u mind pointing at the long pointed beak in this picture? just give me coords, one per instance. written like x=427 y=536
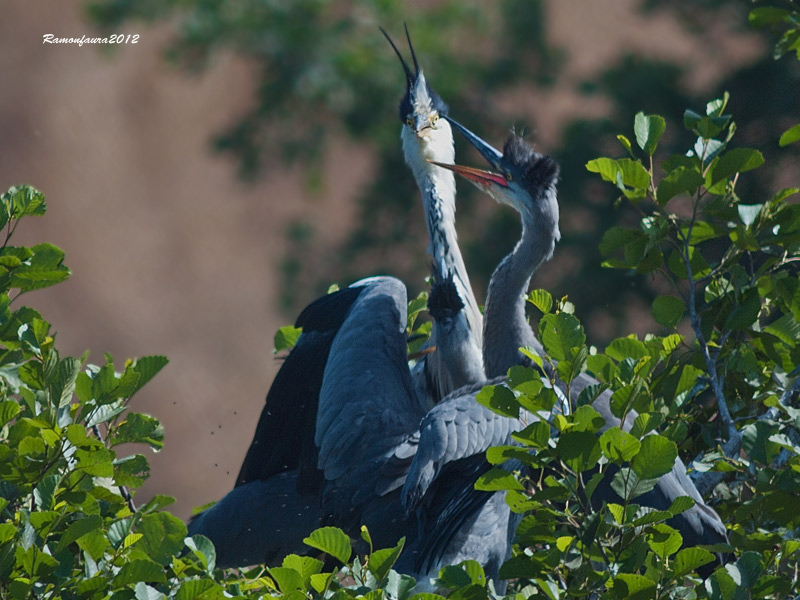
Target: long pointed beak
x=492 y=155
x=478 y=176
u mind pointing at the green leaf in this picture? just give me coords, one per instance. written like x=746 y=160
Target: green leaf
x=663 y=540
x=634 y=587
x=44 y=268
x=288 y=580
x=146 y=368
x=561 y=335
x=579 y=450
x=648 y=130
x=668 y=310
x=766 y=15
x=756 y=441
x=619 y=446
x=199 y=588
x=142 y=591
x=681 y=504
x=790 y=136
x=746 y=312
x=80 y=528
x=381 y=561
x=689 y=559
x=163 y=536
x=749 y=212
x=618 y=237
x=94 y=543
x=332 y=541
x=140 y=569
x=140 y=429
x=8 y=410
x=497 y=479
x=24 y=201
x=399 y=586
x=786 y=328
x=627 y=347
x=286 y=337
x=680 y=180
x=655 y=458
x=541 y=299
x=626 y=143
x=738 y=160
x=621 y=172
x=536 y=435
x=499 y=399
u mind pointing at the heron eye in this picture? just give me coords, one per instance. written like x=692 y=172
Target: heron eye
x=509 y=177
x=433 y=118
x=410 y=121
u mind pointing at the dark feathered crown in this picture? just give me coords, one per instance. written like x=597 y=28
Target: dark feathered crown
x=530 y=166
x=406 y=104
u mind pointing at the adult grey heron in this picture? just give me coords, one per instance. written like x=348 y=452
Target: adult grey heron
x=506 y=329
x=283 y=450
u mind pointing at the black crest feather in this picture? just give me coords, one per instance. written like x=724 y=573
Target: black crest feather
x=444 y=301
x=534 y=168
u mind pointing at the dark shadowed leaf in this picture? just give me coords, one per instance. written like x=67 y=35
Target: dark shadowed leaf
x=668 y=310
x=681 y=180
x=580 y=450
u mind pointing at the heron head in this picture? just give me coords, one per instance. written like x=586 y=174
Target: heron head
x=521 y=177
x=421 y=109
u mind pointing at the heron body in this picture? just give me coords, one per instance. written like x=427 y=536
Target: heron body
x=506 y=329
x=284 y=447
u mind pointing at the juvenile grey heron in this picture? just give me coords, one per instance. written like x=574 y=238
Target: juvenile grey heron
x=506 y=329
x=283 y=451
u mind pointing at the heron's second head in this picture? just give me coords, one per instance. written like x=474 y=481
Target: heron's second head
x=425 y=131
x=522 y=178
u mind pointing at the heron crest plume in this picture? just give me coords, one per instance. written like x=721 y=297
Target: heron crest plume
x=419 y=96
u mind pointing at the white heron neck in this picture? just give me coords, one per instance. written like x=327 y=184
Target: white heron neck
x=438 y=189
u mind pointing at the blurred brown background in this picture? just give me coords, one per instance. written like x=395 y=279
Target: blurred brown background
x=173 y=254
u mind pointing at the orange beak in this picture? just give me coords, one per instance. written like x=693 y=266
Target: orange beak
x=478 y=176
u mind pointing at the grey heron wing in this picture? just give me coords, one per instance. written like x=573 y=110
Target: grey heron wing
x=259 y=522
x=455 y=429
x=284 y=436
x=367 y=404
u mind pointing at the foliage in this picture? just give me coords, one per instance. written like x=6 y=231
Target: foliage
x=730 y=347
x=70 y=527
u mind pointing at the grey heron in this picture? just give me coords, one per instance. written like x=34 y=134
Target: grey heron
x=506 y=329
x=283 y=448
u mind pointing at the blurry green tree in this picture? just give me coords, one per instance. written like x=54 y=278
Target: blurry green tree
x=324 y=71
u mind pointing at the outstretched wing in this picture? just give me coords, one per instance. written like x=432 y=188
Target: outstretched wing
x=368 y=408
x=284 y=436
x=259 y=522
